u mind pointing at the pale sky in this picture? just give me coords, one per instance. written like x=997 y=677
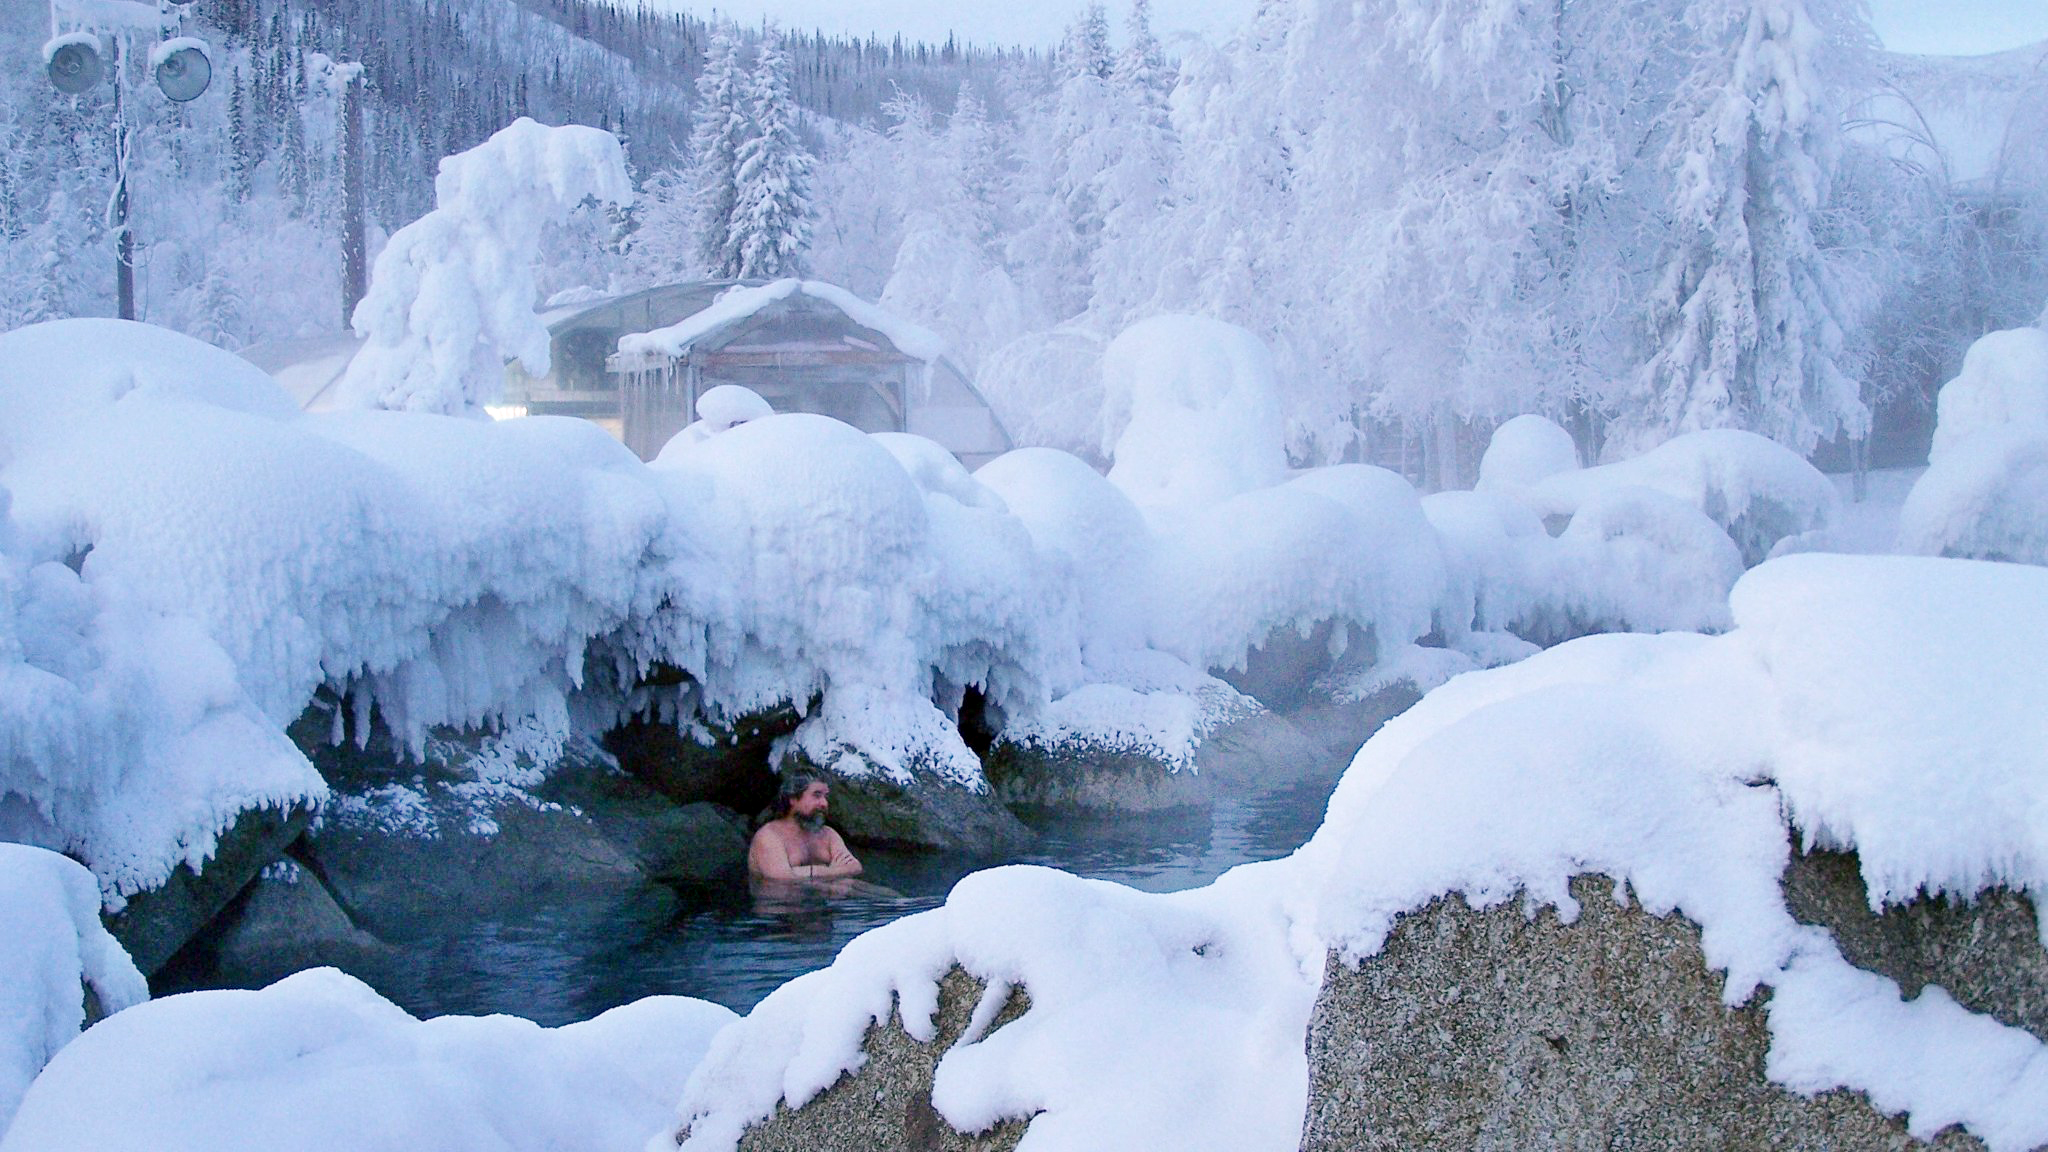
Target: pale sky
x=1947 y=27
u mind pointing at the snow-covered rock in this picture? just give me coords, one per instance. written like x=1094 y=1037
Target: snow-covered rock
x=318 y=1061
x=52 y=951
x=1985 y=491
x=1756 y=489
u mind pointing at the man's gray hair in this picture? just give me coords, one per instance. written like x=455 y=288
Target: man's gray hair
x=793 y=784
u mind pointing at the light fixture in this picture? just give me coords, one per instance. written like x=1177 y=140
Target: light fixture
x=74 y=63
x=182 y=68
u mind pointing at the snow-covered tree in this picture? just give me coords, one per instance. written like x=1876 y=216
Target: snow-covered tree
x=452 y=294
x=1746 y=319
x=771 y=220
x=945 y=273
x=1133 y=189
x=721 y=129
x=1062 y=169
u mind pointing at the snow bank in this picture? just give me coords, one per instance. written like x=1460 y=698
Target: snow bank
x=1130 y=993
x=451 y=296
x=1985 y=492
x=1756 y=489
x=650 y=349
x=1888 y=705
x=1191 y=408
x=317 y=1061
x=54 y=946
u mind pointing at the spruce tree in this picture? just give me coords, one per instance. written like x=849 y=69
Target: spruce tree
x=1746 y=320
x=721 y=128
x=772 y=216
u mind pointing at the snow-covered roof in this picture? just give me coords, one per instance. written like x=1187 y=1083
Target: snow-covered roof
x=740 y=303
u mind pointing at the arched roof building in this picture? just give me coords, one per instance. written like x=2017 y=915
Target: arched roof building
x=637 y=364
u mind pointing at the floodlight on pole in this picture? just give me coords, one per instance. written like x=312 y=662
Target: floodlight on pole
x=183 y=68
x=81 y=31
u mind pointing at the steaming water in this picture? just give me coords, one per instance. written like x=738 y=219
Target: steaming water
x=716 y=942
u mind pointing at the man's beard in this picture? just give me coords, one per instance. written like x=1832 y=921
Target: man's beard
x=812 y=823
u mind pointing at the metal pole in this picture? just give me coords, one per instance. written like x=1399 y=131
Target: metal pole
x=124 y=237
x=355 y=276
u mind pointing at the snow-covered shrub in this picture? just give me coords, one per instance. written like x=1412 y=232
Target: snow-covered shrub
x=1191 y=412
x=1885 y=704
x=451 y=297
x=1985 y=491
x=2003 y=382
x=1347 y=543
x=1046 y=389
x=319 y=1062
x=53 y=948
x=1757 y=490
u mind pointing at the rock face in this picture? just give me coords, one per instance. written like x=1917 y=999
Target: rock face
x=1281 y=672
x=156 y=923
x=886 y=1105
x=667 y=841
x=731 y=770
x=283 y=922
x=1986 y=953
x=1032 y=779
x=928 y=812
x=1489 y=1030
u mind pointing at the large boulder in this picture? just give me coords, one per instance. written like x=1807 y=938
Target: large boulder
x=927 y=811
x=1494 y=1029
x=1077 y=778
x=156 y=923
x=668 y=841
x=886 y=1104
x=285 y=921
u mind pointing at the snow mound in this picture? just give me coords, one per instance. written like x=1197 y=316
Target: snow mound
x=2004 y=381
x=1984 y=497
x=1525 y=450
x=1090 y=536
x=46 y=385
x=451 y=296
x=1884 y=704
x=1985 y=491
x=728 y=404
x=1632 y=559
x=319 y=1062
x=1756 y=489
x=720 y=408
x=1348 y=543
x=53 y=948
x=1192 y=405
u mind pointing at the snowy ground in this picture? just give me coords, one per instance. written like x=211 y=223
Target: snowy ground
x=1871 y=526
